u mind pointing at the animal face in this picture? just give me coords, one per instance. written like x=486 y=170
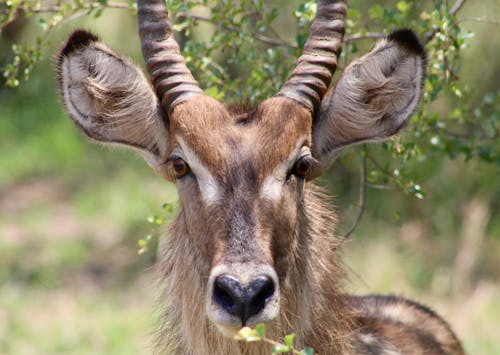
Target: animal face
x=241 y=175
x=241 y=179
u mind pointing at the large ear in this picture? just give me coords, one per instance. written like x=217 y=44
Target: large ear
x=374 y=98
x=109 y=98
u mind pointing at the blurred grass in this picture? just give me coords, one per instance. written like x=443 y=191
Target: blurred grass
x=70 y=322
x=71 y=214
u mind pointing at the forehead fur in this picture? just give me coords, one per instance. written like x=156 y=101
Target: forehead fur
x=223 y=140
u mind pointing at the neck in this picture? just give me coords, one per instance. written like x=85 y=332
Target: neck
x=312 y=305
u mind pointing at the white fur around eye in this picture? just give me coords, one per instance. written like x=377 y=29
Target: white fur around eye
x=210 y=189
x=272 y=186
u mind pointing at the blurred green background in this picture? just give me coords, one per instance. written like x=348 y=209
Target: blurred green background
x=71 y=215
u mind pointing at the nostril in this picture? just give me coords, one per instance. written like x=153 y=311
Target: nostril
x=258 y=292
x=243 y=301
x=228 y=294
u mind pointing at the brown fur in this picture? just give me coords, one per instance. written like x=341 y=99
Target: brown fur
x=217 y=136
x=403 y=325
x=244 y=210
x=311 y=299
x=313 y=307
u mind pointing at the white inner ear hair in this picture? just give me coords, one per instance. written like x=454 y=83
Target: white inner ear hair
x=273 y=183
x=396 y=80
x=372 y=100
x=210 y=189
x=111 y=100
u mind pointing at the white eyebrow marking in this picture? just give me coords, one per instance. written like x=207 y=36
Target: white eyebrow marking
x=273 y=183
x=209 y=187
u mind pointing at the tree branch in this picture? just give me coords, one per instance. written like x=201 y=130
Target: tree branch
x=381 y=187
x=265 y=39
x=362 y=196
x=120 y=5
x=479 y=19
x=22 y=8
x=457 y=6
x=273 y=41
x=367 y=35
x=82 y=6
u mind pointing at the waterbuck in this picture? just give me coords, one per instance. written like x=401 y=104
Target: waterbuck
x=253 y=240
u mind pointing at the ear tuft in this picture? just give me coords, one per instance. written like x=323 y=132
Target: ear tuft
x=407 y=39
x=78 y=40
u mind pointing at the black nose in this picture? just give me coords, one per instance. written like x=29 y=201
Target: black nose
x=243 y=301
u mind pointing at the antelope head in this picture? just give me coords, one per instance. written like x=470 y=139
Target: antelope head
x=241 y=177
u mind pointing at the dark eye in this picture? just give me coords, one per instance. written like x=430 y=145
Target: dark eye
x=302 y=167
x=181 y=168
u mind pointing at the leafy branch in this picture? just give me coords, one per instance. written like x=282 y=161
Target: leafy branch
x=25 y=56
x=149 y=244
x=259 y=334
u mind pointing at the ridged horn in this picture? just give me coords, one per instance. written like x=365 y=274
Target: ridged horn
x=311 y=77
x=171 y=78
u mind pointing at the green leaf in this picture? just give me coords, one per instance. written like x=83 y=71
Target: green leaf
x=404 y=7
x=155 y=220
x=307 y=351
x=168 y=207
x=260 y=330
x=214 y=92
x=376 y=12
x=353 y=14
x=247 y=334
x=289 y=340
x=278 y=349
x=43 y=24
x=417 y=191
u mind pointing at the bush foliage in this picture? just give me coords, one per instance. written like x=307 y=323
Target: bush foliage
x=247 y=58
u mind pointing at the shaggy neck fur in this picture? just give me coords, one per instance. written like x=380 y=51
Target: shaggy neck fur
x=312 y=305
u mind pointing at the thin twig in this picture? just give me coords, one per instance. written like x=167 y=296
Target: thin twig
x=54 y=9
x=381 y=187
x=276 y=34
x=367 y=35
x=265 y=39
x=457 y=6
x=86 y=6
x=362 y=196
x=273 y=41
x=479 y=19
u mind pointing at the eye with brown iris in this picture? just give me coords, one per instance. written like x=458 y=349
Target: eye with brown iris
x=181 y=168
x=301 y=167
